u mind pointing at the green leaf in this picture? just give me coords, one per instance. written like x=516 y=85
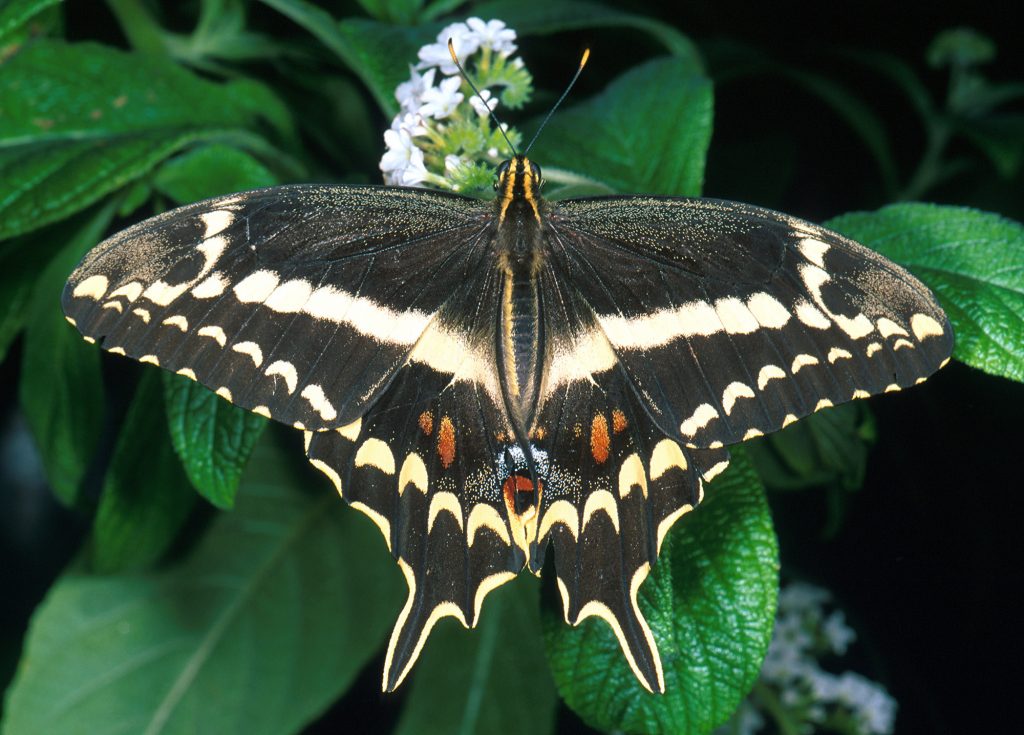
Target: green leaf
x=378 y=53
x=21 y=261
x=647 y=132
x=463 y=681
x=960 y=47
x=529 y=17
x=393 y=11
x=146 y=497
x=211 y=170
x=61 y=389
x=212 y=437
x=271 y=617
x=710 y=602
x=81 y=120
x=826 y=447
x=972 y=260
x=16 y=13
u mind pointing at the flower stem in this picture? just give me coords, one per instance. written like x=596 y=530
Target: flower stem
x=769 y=701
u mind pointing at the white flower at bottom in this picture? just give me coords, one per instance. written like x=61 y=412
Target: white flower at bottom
x=871 y=704
x=799 y=597
x=402 y=163
x=838 y=634
x=439 y=102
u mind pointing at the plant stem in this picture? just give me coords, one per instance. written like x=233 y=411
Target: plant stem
x=928 y=172
x=770 y=702
x=138 y=26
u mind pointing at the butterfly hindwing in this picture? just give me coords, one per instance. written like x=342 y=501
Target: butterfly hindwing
x=422 y=464
x=297 y=302
x=614 y=486
x=733 y=321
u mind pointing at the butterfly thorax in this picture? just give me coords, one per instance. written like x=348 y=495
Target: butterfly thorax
x=520 y=348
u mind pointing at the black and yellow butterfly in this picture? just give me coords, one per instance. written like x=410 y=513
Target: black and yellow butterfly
x=486 y=379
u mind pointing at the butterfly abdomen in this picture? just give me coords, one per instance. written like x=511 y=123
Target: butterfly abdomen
x=520 y=343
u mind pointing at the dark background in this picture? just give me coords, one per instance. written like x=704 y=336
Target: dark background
x=927 y=564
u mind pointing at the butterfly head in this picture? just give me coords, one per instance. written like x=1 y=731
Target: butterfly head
x=518 y=180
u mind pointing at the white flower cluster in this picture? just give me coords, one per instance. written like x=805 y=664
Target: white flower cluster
x=793 y=677
x=432 y=137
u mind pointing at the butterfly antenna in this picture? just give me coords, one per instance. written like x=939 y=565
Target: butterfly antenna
x=451 y=50
x=583 y=63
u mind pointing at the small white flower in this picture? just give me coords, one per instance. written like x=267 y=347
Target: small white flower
x=410 y=94
x=823 y=685
x=439 y=102
x=410 y=122
x=799 y=597
x=871 y=704
x=402 y=163
x=493 y=35
x=838 y=634
x=453 y=163
x=484 y=103
x=464 y=41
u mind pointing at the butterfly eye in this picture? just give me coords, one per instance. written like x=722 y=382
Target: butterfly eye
x=535 y=173
x=500 y=174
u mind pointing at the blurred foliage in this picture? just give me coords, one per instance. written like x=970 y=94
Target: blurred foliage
x=256 y=619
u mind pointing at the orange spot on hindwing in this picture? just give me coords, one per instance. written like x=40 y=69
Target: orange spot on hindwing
x=426 y=422
x=446 y=442
x=600 y=442
x=619 y=422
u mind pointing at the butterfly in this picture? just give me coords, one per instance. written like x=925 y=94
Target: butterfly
x=486 y=380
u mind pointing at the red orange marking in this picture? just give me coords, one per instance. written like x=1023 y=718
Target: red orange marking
x=446 y=442
x=517 y=484
x=600 y=442
x=426 y=422
x=619 y=422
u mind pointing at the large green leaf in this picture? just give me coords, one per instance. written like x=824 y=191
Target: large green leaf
x=60 y=389
x=212 y=437
x=211 y=170
x=378 y=53
x=146 y=496
x=270 y=618
x=648 y=132
x=478 y=681
x=81 y=120
x=14 y=14
x=710 y=602
x=21 y=261
x=393 y=11
x=972 y=260
x=823 y=448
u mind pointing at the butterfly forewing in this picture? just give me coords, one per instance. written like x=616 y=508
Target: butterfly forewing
x=732 y=321
x=296 y=302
